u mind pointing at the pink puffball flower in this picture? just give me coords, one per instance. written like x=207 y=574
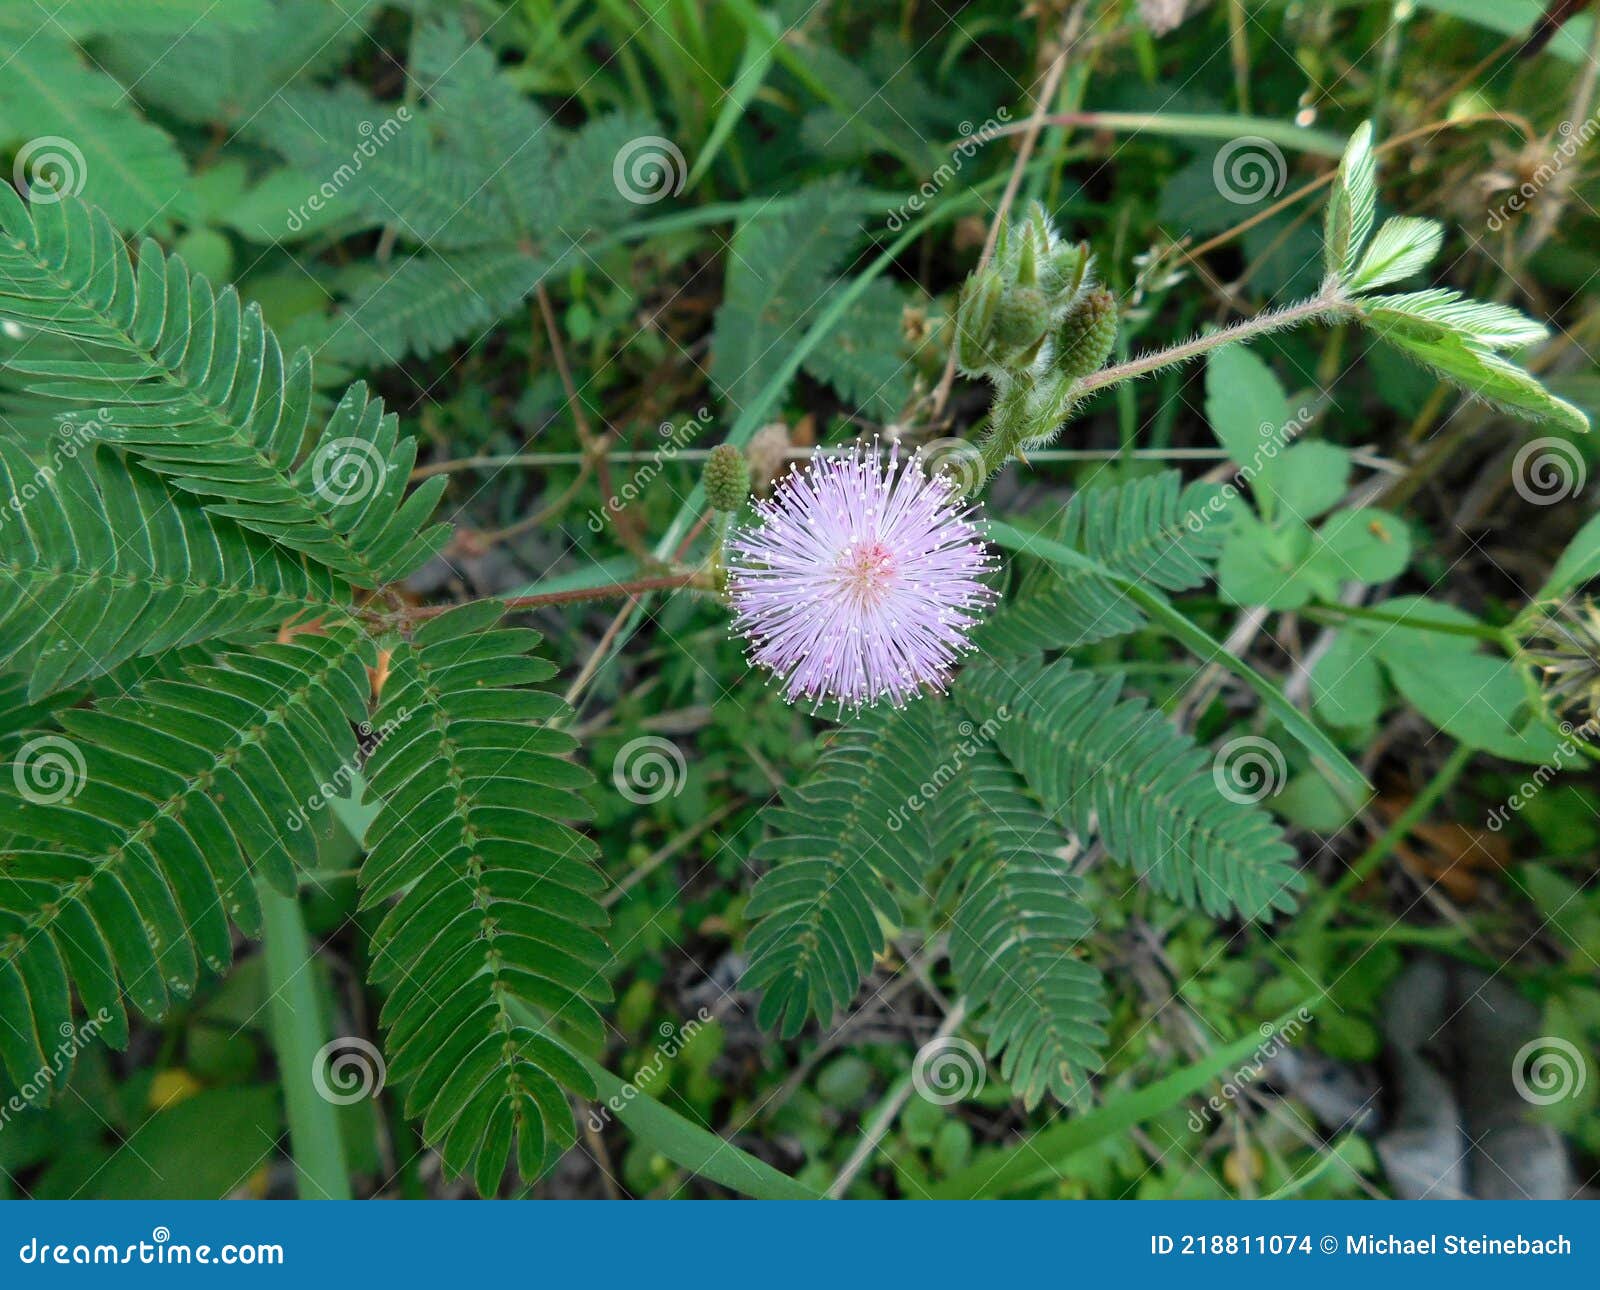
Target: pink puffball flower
x=859 y=580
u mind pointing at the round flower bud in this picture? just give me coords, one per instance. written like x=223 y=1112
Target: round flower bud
x=1087 y=334
x=1022 y=317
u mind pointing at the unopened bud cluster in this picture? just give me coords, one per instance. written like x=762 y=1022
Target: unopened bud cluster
x=1564 y=644
x=1034 y=323
x=727 y=478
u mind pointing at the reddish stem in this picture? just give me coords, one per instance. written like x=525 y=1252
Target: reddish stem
x=662 y=582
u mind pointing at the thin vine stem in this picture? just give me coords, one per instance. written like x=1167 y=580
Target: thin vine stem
x=568 y=596
x=1394 y=835
x=694 y=455
x=1337 y=615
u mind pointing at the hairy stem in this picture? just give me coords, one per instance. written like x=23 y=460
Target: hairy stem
x=1327 y=305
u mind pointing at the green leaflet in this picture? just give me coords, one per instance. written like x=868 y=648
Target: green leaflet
x=1479 y=372
x=1401 y=247
x=1351 y=205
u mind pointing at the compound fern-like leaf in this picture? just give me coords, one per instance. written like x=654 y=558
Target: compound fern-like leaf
x=1017 y=932
x=839 y=846
x=1102 y=762
x=496 y=912
x=101 y=561
x=491 y=194
x=197 y=387
x=138 y=829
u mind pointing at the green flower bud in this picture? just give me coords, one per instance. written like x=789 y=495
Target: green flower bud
x=1022 y=318
x=727 y=478
x=1069 y=266
x=980 y=298
x=1086 y=335
x=1028 y=260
